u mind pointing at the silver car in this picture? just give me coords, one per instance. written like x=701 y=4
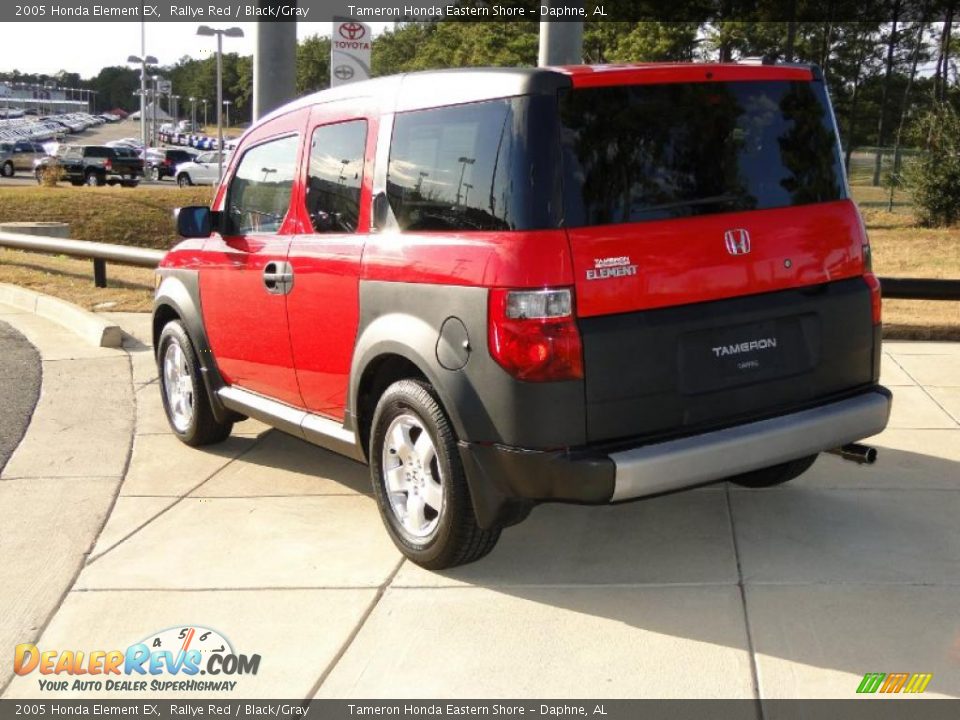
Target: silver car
x=19 y=155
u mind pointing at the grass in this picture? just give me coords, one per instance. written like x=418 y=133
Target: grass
x=143 y=217
x=901 y=249
x=129 y=289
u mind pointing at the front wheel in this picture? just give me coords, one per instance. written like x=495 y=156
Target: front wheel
x=419 y=481
x=7 y=169
x=94 y=179
x=183 y=180
x=184 y=395
x=776 y=475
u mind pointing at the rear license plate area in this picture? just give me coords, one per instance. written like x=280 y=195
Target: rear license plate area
x=720 y=358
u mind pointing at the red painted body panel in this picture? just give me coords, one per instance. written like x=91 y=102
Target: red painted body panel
x=685 y=261
x=485 y=259
x=652 y=73
x=324 y=306
x=247 y=327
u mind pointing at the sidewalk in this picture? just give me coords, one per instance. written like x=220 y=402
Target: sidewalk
x=718 y=592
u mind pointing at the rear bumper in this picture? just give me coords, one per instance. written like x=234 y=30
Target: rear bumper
x=505 y=480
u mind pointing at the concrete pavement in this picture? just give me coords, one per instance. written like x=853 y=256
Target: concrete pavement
x=718 y=592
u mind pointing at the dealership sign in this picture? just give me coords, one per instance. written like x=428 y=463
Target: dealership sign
x=349 y=51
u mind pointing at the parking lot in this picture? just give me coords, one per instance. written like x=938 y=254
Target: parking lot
x=92 y=136
x=717 y=592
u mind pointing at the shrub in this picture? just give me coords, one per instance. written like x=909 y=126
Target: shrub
x=934 y=180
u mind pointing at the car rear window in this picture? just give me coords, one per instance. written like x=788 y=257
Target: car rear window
x=654 y=152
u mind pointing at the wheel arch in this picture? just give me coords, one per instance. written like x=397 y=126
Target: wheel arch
x=380 y=359
x=178 y=298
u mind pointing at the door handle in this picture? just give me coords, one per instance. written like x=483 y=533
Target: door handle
x=278 y=277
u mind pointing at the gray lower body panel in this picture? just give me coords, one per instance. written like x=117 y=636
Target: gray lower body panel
x=703 y=458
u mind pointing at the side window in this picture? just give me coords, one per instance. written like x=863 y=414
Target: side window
x=259 y=194
x=450 y=168
x=334 y=176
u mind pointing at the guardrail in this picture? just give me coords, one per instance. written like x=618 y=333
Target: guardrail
x=101 y=253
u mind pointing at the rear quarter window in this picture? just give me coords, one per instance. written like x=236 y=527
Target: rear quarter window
x=479 y=166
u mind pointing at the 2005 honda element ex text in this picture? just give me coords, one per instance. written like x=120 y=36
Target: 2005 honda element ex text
x=501 y=287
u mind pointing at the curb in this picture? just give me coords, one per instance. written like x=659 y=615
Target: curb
x=89 y=326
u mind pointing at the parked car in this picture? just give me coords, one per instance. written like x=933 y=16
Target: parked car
x=93 y=165
x=165 y=161
x=202 y=170
x=19 y=155
x=502 y=287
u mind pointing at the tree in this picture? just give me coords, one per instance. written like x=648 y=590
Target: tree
x=313 y=64
x=934 y=180
x=892 y=42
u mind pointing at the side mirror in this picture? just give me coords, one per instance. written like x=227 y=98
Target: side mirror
x=195 y=221
x=381 y=211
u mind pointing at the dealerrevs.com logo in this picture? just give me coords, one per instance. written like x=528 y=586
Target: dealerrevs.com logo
x=190 y=658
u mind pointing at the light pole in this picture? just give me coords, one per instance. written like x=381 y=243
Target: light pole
x=464 y=161
x=207 y=31
x=156 y=101
x=193 y=114
x=227 y=105
x=142 y=61
x=204 y=113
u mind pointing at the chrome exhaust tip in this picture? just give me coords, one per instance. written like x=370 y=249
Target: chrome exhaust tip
x=855 y=452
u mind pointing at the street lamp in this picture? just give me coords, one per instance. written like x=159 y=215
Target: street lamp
x=193 y=114
x=227 y=105
x=154 y=139
x=207 y=31
x=142 y=61
x=204 y=113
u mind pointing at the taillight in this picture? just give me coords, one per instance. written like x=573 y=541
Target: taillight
x=108 y=165
x=873 y=282
x=168 y=162
x=533 y=334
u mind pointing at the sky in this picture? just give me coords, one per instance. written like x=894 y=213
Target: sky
x=49 y=47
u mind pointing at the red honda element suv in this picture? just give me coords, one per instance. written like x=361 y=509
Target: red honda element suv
x=502 y=287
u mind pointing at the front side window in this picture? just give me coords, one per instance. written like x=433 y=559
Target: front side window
x=480 y=166
x=259 y=194
x=335 y=175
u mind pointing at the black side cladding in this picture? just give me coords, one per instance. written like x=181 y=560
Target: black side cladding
x=675 y=371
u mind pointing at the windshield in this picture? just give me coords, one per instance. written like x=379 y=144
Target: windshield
x=654 y=152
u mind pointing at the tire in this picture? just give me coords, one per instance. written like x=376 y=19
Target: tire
x=93 y=179
x=39 y=175
x=153 y=174
x=7 y=170
x=434 y=537
x=183 y=180
x=130 y=183
x=185 y=399
x=776 y=475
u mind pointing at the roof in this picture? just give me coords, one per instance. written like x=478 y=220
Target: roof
x=417 y=90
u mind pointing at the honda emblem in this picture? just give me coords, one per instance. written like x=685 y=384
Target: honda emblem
x=737 y=241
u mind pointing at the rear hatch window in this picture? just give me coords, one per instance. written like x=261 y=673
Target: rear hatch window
x=636 y=153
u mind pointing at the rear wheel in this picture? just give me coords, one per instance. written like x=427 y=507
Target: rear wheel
x=184 y=395
x=7 y=169
x=153 y=174
x=419 y=481
x=93 y=178
x=776 y=475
